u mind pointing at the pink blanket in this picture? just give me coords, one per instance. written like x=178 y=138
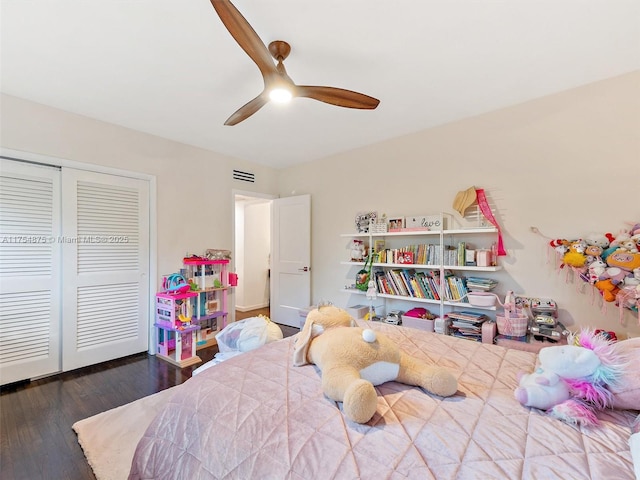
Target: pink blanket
x=256 y=416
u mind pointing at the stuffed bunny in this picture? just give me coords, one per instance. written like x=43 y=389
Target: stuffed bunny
x=353 y=360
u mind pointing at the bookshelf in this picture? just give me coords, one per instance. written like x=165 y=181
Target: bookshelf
x=431 y=276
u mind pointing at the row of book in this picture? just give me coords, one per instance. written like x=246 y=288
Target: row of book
x=467 y=325
x=419 y=284
x=427 y=254
x=423 y=254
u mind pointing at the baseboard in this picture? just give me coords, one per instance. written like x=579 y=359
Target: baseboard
x=251 y=307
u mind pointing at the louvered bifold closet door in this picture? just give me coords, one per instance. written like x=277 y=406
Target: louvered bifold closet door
x=106 y=267
x=29 y=271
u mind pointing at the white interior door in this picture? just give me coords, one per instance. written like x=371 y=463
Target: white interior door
x=291 y=258
x=29 y=271
x=106 y=267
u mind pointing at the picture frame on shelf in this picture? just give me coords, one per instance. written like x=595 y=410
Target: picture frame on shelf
x=396 y=224
x=378 y=245
x=363 y=221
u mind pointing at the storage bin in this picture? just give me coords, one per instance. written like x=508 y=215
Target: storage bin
x=358 y=311
x=418 y=323
x=482 y=299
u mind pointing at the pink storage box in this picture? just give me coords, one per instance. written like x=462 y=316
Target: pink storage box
x=418 y=323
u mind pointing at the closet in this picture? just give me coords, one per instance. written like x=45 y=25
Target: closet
x=74 y=268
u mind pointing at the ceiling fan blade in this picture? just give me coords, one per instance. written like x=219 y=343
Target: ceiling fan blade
x=337 y=96
x=247 y=110
x=245 y=35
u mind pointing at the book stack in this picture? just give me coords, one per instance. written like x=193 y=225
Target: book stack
x=467 y=325
x=478 y=284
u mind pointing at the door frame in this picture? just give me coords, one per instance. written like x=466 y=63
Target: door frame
x=153 y=219
x=232 y=267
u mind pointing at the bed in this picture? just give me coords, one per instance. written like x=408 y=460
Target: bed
x=257 y=416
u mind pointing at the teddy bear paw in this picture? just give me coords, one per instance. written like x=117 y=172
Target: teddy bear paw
x=443 y=383
x=360 y=401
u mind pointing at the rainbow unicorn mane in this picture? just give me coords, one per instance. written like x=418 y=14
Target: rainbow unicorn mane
x=595 y=388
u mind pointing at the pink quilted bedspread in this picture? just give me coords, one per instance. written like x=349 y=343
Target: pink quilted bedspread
x=256 y=416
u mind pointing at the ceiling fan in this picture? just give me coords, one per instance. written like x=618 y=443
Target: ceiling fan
x=278 y=86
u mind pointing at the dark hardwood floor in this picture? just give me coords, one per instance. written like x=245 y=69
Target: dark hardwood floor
x=36 y=439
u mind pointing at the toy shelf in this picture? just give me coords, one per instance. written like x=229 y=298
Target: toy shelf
x=212 y=281
x=177 y=345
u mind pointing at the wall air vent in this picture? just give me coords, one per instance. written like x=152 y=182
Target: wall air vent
x=244 y=176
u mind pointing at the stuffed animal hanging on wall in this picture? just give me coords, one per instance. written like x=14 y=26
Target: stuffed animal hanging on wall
x=353 y=360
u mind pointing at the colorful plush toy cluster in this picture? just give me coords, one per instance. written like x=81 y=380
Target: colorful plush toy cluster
x=574 y=381
x=611 y=263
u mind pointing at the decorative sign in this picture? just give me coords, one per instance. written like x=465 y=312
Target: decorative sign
x=432 y=222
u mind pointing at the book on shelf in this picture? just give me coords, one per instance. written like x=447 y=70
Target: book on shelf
x=461 y=257
x=405 y=257
x=468 y=316
x=465 y=336
x=391 y=281
x=399 y=280
x=479 y=284
x=467 y=324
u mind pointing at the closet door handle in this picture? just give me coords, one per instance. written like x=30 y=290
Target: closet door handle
x=304 y=269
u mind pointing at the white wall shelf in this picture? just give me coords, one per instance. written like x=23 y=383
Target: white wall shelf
x=439 y=238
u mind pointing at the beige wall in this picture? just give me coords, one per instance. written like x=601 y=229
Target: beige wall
x=194 y=199
x=568 y=164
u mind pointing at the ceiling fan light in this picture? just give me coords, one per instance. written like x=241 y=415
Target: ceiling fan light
x=280 y=95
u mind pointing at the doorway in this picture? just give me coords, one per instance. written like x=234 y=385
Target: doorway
x=272 y=255
x=252 y=247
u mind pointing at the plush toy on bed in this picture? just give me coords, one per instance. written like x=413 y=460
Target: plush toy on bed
x=353 y=360
x=574 y=381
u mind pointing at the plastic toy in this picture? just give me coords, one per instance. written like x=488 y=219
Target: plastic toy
x=175 y=283
x=353 y=360
x=573 y=381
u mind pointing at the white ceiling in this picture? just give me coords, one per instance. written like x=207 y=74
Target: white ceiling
x=170 y=68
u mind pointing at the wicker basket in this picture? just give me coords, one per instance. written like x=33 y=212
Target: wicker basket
x=512 y=324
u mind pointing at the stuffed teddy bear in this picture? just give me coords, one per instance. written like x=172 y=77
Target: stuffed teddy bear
x=357 y=251
x=573 y=380
x=352 y=360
